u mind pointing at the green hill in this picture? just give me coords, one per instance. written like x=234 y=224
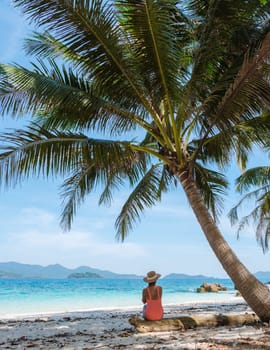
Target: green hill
x=18 y=270
x=84 y=275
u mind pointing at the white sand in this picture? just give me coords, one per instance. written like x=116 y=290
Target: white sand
x=111 y=330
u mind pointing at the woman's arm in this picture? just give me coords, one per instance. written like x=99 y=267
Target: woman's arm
x=144 y=296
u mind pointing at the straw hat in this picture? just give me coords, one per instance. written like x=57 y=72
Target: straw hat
x=151 y=276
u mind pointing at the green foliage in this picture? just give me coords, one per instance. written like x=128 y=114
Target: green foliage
x=84 y=275
x=167 y=86
x=258 y=178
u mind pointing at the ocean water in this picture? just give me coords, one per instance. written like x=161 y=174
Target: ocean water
x=44 y=296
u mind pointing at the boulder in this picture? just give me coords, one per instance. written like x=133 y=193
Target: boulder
x=210 y=288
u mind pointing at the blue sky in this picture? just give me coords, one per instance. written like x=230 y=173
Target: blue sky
x=168 y=239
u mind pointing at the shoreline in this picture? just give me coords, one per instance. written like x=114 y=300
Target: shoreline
x=107 y=330
x=133 y=308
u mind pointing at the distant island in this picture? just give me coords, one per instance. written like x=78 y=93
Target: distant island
x=84 y=275
x=8 y=275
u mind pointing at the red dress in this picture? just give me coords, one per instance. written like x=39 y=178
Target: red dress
x=153 y=310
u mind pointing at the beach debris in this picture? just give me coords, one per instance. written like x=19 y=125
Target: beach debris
x=42 y=319
x=182 y=323
x=210 y=288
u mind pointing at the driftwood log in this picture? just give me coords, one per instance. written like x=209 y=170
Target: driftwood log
x=182 y=323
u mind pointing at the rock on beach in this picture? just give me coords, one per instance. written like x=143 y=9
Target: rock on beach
x=210 y=288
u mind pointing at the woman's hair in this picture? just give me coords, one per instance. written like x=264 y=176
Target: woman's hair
x=151 y=284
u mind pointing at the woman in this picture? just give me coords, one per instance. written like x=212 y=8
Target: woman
x=151 y=297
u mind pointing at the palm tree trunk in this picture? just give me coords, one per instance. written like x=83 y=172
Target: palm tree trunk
x=253 y=291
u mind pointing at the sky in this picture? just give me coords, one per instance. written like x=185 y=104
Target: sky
x=168 y=239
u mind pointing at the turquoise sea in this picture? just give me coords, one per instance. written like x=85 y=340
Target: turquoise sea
x=42 y=296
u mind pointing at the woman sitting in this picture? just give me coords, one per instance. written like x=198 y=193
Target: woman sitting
x=151 y=297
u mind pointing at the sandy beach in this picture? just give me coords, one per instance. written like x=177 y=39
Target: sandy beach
x=111 y=330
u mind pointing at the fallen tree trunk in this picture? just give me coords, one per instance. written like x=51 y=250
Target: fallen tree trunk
x=193 y=321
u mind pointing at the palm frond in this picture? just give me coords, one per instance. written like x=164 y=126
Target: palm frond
x=131 y=171
x=259 y=216
x=251 y=85
x=110 y=165
x=25 y=91
x=106 y=164
x=212 y=186
x=74 y=190
x=54 y=93
x=257 y=176
x=245 y=97
x=44 y=45
x=234 y=142
x=230 y=24
x=90 y=28
x=248 y=197
x=147 y=192
x=229 y=93
x=159 y=31
x=152 y=27
x=38 y=152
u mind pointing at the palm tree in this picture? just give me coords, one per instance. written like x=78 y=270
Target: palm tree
x=255 y=183
x=170 y=87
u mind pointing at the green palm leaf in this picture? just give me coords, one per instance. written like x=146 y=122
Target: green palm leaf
x=92 y=31
x=234 y=142
x=44 y=45
x=107 y=169
x=37 y=151
x=147 y=192
x=211 y=185
x=259 y=178
x=57 y=92
x=225 y=31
